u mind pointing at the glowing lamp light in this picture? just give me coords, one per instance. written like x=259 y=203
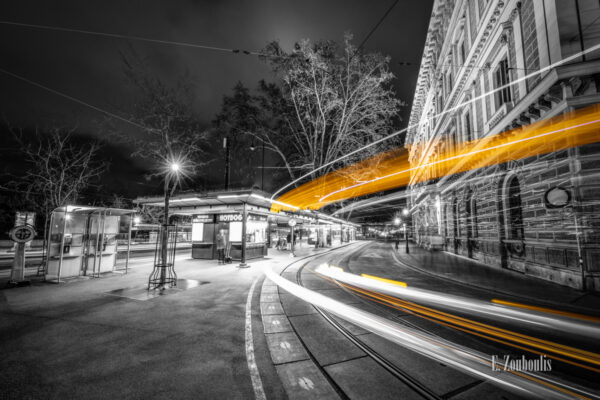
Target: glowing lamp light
x=405 y=212
x=137 y=220
x=397 y=221
x=175 y=167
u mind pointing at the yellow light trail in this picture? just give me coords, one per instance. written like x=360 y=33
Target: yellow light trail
x=546 y=310
x=489 y=332
x=392 y=169
x=500 y=335
x=391 y=281
x=436 y=348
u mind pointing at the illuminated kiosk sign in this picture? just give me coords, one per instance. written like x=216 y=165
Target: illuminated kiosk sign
x=254 y=217
x=203 y=218
x=230 y=217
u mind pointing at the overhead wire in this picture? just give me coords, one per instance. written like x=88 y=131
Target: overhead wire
x=159 y=41
x=130 y=37
x=377 y=25
x=74 y=99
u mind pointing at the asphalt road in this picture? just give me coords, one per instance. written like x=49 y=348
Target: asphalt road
x=436 y=379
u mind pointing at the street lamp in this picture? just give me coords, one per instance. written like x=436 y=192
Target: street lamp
x=173 y=170
x=292 y=223
x=405 y=213
x=396 y=223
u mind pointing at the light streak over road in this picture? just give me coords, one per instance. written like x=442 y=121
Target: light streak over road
x=392 y=169
x=390 y=293
x=459 y=357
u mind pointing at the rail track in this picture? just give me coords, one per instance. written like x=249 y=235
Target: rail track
x=399 y=373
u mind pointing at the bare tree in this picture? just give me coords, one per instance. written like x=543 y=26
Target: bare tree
x=331 y=101
x=59 y=168
x=171 y=132
x=171 y=136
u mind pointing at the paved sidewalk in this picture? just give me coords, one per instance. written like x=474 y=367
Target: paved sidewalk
x=463 y=270
x=78 y=341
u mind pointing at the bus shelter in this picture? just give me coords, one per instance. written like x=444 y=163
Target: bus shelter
x=83 y=241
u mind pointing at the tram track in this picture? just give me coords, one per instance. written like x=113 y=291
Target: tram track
x=399 y=373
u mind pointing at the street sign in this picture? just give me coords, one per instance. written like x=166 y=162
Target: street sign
x=292 y=222
x=22 y=233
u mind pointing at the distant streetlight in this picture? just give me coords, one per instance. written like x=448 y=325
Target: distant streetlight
x=175 y=167
x=136 y=220
x=292 y=223
x=405 y=212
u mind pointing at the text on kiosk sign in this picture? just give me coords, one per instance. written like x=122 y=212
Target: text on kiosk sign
x=230 y=217
x=238 y=217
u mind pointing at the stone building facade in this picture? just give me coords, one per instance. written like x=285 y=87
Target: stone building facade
x=498 y=215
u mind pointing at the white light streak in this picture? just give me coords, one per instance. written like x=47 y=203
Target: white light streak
x=451 y=354
x=457 y=107
x=471 y=306
x=511 y=143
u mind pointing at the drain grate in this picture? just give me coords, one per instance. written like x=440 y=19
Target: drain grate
x=142 y=293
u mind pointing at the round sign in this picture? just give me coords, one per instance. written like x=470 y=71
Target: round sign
x=22 y=233
x=557 y=197
x=292 y=222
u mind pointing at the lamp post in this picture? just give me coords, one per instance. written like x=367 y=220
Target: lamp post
x=292 y=223
x=262 y=165
x=174 y=169
x=396 y=223
x=405 y=214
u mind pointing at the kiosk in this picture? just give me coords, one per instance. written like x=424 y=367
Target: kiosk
x=249 y=224
x=83 y=241
x=206 y=227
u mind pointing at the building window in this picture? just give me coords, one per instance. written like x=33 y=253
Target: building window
x=449 y=83
x=501 y=78
x=462 y=52
x=468 y=135
x=578 y=27
x=514 y=210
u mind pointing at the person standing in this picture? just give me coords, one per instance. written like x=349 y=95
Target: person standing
x=221 y=247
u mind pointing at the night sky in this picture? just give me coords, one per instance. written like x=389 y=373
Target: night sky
x=89 y=67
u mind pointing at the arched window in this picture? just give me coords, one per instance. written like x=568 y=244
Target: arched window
x=514 y=209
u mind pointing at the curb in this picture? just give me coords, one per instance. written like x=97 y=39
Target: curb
x=300 y=375
x=563 y=306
